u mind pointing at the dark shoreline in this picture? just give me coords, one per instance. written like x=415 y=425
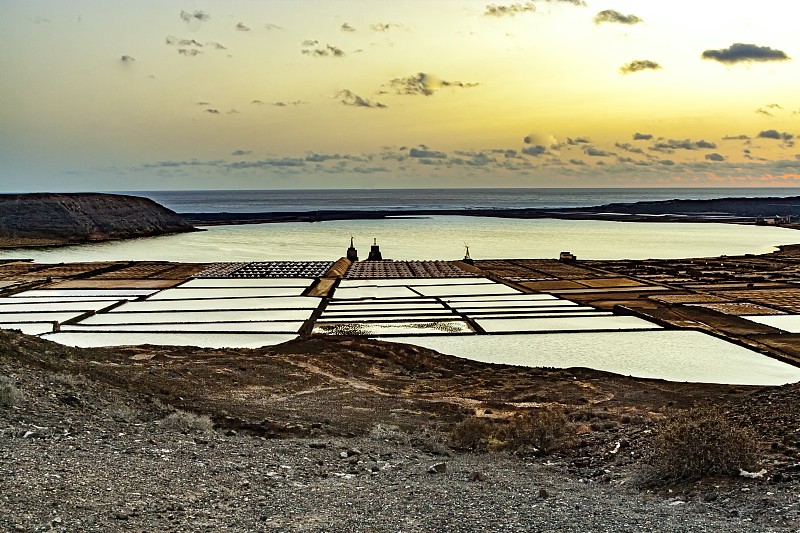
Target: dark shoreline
x=772 y=211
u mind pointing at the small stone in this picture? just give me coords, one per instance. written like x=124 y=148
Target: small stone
x=317 y=445
x=353 y=451
x=476 y=476
x=543 y=493
x=711 y=496
x=438 y=468
x=121 y=516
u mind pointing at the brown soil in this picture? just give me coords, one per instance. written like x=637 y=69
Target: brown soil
x=348 y=385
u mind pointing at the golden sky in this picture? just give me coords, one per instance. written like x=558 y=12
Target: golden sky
x=142 y=95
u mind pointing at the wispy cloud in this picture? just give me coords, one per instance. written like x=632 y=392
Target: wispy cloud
x=578 y=140
x=769 y=110
x=287 y=104
x=239 y=153
x=349 y=98
x=270 y=27
x=189 y=52
x=347 y=27
x=639 y=65
x=736 y=138
x=240 y=26
x=615 y=17
x=628 y=147
x=510 y=10
x=535 y=150
x=326 y=51
x=384 y=26
x=670 y=145
x=787 y=139
x=597 y=152
x=714 y=157
x=424 y=84
x=212 y=111
x=127 y=59
x=423 y=153
x=774 y=134
x=745 y=53
x=642 y=136
x=188 y=16
x=172 y=40
x=266 y=163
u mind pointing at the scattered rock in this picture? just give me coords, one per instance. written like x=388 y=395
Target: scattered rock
x=476 y=476
x=438 y=468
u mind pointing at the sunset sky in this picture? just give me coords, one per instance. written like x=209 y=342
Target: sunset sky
x=144 y=95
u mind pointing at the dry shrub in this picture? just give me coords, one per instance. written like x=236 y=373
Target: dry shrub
x=429 y=439
x=539 y=432
x=71 y=381
x=473 y=434
x=700 y=443
x=385 y=432
x=10 y=395
x=122 y=412
x=187 y=422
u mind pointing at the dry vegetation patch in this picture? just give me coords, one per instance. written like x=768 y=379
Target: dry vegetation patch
x=699 y=443
x=537 y=432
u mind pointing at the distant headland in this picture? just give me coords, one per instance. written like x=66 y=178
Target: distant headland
x=49 y=219
x=772 y=211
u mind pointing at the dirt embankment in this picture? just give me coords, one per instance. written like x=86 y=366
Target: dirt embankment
x=48 y=219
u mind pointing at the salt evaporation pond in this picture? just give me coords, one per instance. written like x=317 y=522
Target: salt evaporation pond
x=671 y=355
x=203 y=340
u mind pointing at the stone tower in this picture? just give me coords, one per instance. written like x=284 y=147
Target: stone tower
x=375 y=252
x=352 y=253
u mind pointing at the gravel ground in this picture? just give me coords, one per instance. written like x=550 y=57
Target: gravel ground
x=78 y=456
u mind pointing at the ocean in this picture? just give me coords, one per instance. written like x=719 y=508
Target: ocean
x=433 y=237
x=388 y=199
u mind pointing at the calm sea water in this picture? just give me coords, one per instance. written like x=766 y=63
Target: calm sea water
x=312 y=200
x=440 y=237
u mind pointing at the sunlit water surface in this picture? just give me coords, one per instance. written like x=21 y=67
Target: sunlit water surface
x=441 y=237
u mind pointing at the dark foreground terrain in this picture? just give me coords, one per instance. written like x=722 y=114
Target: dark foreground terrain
x=345 y=434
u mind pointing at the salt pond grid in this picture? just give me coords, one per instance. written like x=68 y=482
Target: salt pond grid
x=427 y=303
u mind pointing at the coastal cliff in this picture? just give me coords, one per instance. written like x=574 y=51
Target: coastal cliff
x=47 y=219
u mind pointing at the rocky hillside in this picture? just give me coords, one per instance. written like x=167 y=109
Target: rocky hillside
x=52 y=219
x=341 y=435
